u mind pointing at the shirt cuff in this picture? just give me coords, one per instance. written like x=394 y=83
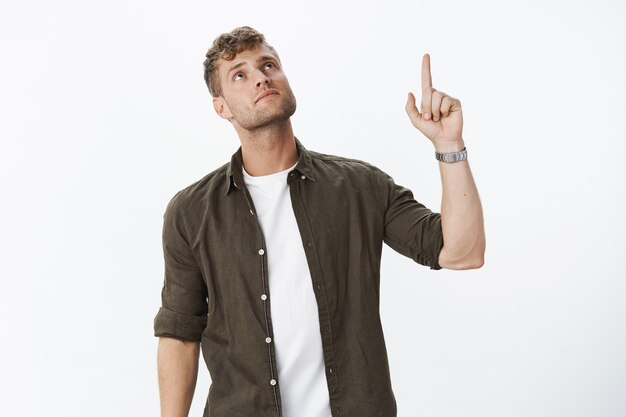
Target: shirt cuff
x=438 y=246
x=181 y=326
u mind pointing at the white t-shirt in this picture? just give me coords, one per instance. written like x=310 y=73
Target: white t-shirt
x=295 y=320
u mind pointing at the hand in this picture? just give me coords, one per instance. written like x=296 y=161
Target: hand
x=441 y=118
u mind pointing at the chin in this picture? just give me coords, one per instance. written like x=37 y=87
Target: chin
x=276 y=118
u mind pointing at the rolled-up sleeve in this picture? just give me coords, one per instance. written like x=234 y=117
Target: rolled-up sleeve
x=411 y=228
x=183 y=312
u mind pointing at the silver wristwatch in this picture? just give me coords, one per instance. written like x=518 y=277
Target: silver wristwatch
x=452 y=156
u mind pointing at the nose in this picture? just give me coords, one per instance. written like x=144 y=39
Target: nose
x=261 y=78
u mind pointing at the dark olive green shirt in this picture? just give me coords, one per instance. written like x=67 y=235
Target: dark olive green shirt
x=216 y=288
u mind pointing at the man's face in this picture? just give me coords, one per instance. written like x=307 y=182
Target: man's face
x=245 y=80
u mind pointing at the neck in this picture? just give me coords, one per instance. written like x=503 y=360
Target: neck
x=269 y=149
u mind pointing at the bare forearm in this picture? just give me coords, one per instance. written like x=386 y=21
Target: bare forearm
x=461 y=215
x=177 y=364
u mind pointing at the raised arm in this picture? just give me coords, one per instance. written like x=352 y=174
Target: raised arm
x=441 y=121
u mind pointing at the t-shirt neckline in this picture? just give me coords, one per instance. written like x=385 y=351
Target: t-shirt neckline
x=268 y=177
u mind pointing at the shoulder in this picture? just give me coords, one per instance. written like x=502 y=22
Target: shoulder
x=366 y=177
x=345 y=164
x=199 y=191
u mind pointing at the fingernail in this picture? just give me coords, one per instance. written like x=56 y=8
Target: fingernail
x=427 y=116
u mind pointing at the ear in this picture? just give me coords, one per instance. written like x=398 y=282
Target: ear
x=221 y=107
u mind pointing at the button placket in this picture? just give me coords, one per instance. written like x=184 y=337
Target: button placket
x=264 y=297
x=315 y=267
x=268 y=339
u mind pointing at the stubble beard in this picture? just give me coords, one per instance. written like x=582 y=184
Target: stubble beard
x=258 y=118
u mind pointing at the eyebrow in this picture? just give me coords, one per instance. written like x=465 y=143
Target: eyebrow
x=241 y=63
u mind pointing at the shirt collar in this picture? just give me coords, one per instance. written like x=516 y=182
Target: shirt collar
x=234 y=175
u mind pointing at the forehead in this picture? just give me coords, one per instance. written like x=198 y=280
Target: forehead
x=251 y=55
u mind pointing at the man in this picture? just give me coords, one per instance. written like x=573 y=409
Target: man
x=301 y=230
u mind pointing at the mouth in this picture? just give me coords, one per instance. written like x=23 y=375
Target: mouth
x=266 y=93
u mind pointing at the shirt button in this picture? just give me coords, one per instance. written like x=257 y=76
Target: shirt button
x=268 y=339
x=261 y=251
x=251 y=212
x=303 y=177
x=263 y=297
x=272 y=382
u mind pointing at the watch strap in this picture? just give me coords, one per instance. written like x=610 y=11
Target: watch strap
x=452 y=156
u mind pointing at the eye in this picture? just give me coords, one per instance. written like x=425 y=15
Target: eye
x=270 y=63
x=239 y=73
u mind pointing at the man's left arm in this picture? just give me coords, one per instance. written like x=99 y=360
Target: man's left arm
x=441 y=121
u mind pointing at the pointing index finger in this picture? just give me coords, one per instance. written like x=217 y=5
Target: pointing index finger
x=427 y=81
